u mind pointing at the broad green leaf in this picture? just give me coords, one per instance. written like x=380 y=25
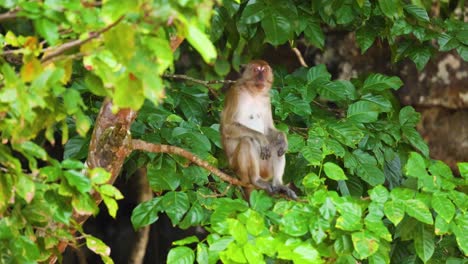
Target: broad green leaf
x=371 y=174
x=424 y=241
x=438 y=168
x=253 y=12
x=463 y=168
x=202 y=253
x=346 y=133
x=78 y=180
x=380 y=82
x=47 y=29
x=409 y=117
x=337 y=90
x=382 y=103
x=460 y=230
x=163 y=176
x=260 y=201
x=111 y=205
x=99 y=175
x=379 y=194
x=277 y=28
x=350 y=216
x=97 y=246
x=413 y=136
x=443 y=206
x=193 y=217
x=328 y=210
x=334 y=171
x=120 y=40
x=390 y=8
x=365 y=37
x=365 y=243
x=313 y=154
x=25 y=187
x=420 y=56
x=84 y=205
x=314 y=33
x=33 y=149
x=343 y=244
x=306 y=253
x=146 y=213
x=419 y=210
x=252 y=255
x=395 y=211
x=363 y=112
x=182 y=255
x=237 y=230
x=416 y=166
x=318 y=72
x=417 y=11
x=175 y=204
x=254 y=223
x=200 y=41
x=294 y=223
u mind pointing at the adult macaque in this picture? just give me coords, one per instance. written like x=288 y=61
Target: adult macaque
x=254 y=147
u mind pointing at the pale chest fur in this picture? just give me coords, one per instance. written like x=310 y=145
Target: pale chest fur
x=253 y=112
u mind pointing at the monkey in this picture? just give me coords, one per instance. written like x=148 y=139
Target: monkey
x=254 y=147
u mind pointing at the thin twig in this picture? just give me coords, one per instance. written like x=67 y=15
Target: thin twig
x=77 y=42
x=299 y=57
x=9 y=15
x=207 y=84
x=156 y=148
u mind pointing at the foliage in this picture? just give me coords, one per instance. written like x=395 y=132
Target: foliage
x=368 y=187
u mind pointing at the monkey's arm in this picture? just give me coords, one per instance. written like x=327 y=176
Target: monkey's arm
x=235 y=130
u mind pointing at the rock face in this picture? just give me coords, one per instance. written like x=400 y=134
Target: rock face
x=439 y=92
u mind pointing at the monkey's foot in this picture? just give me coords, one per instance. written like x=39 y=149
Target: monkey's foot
x=286 y=189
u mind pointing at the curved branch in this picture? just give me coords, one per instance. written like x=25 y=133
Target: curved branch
x=156 y=148
x=54 y=52
x=202 y=82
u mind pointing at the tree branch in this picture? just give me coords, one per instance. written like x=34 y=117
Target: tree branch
x=9 y=15
x=202 y=82
x=156 y=148
x=299 y=57
x=54 y=52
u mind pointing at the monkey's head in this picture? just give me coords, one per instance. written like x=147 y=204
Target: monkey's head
x=258 y=74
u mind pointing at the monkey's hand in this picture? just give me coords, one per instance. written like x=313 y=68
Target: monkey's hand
x=265 y=152
x=281 y=143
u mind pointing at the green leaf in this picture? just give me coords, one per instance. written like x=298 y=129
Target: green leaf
x=201 y=42
x=252 y=255
x=363 y=112
x=97 y=246
x=47 y=29
x=420 y=56
x=294 y=223
x=237 y=230
x=413 y=136
x=312 y=154
x=260 y=201
x=254 y=222
x=463 y=168
x=277 y=28
x=334 y=171
x=390 y=8
x=111 y=205
x=253 y=12
x=379 y=194
x=371 y=174
x=314 y=33
x=146 y=213
x=25 y=187
x=443 y=206
x=419 y=210
x=408 y=117
x=417 y=11
x=202 y=253
x=318 y=73
x=416 y=166
x=337 y=90
x=84 y=205
x=33 y=149
x=175 y=205
x=346 y=132
x=78 y=180
x=163 y=176
x=182 y=255
x=365 y=243
x=350 y=219
x=99 y=175
x=120 y=40
x=186 y=241
x=379 y=82
x=395 y=211
x=424 y=241
x=365 y=37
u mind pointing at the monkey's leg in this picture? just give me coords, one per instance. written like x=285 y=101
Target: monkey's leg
x=248 y=165
x=277 y=165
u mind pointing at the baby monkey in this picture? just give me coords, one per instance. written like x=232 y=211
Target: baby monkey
x=254 y=147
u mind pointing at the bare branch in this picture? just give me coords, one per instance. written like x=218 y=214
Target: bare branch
x=54 y=52
x=9 y=15
x=207 y=84
x=299 y=57
x=150 y=147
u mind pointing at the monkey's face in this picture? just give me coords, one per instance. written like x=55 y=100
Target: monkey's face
x=258 y=73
